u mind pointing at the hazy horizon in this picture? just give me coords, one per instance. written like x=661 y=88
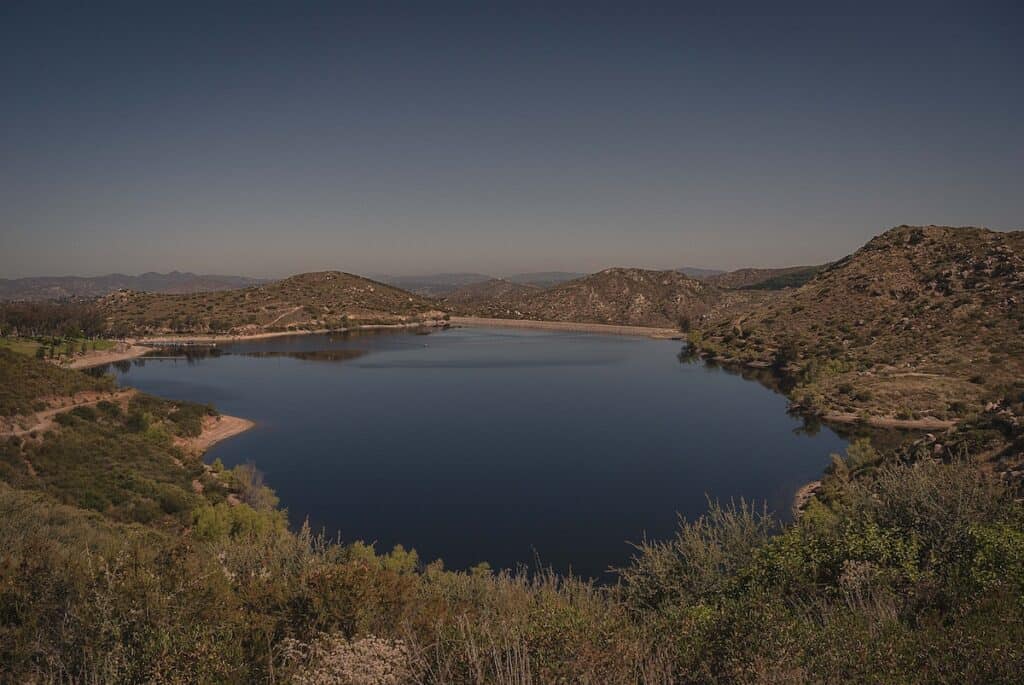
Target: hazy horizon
x=267 y=139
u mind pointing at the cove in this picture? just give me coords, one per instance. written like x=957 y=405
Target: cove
x=497 y=445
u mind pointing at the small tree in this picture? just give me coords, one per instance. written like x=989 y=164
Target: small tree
x=787 y=353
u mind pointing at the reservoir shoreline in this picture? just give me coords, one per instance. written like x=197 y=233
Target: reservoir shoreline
x=601 y=328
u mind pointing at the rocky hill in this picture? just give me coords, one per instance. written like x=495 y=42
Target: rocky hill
x=922 y=322
x=326 y=299
x=634 y=297
x=67 y=287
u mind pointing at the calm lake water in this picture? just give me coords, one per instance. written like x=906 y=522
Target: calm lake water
x=497 y=445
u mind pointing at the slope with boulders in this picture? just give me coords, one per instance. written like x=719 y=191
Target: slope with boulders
x=311 y=301
x=922 y=323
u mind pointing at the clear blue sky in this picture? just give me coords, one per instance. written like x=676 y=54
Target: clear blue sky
x=268 y=139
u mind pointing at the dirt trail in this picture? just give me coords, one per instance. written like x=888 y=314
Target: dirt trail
x=287 y=313
x=927 y=423
x=43 y=420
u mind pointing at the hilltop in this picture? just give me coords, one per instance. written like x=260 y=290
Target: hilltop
x=325 y=299
x=68 y=287
x=923 y=321
x=633 y=297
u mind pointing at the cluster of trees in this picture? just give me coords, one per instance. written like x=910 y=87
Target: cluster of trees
x=51 y=319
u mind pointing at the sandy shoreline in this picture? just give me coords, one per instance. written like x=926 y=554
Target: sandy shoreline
x=216 y=338
x=605 y=329
x=92 y=359
x=215 y=429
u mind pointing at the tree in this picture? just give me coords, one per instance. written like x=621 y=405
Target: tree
x=787 y=353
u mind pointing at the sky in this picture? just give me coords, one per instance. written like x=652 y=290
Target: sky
x=267 y=139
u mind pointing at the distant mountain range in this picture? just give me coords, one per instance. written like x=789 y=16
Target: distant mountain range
x=697 y=272
x=432 y=285
x=765 y=279
x=544 y=279
x=64 y=287
x=443 y=284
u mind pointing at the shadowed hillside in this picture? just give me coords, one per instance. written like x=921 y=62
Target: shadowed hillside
x=433 y=285
x=764 y=279
x=920 y=322
x=326 y=299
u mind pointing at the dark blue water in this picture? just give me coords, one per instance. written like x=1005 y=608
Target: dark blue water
x=497 y=445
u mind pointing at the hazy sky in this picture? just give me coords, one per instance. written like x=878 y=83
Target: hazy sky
x=267 y=139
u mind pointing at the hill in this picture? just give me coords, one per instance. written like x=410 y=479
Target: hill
x=921 y=322
x=764 y=279
x=326 y=299
x=65 y=287
x=634 y=297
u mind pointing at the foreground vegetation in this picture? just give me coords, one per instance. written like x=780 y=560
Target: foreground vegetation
x=127 y=560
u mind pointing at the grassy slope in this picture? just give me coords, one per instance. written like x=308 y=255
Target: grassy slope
x=308 y=301
x=25 y=381
x=921 y=321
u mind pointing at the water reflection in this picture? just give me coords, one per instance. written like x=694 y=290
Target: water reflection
x=312 y=355
x=496 y=445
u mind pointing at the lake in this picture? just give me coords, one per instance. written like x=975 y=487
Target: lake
x=498 y=445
